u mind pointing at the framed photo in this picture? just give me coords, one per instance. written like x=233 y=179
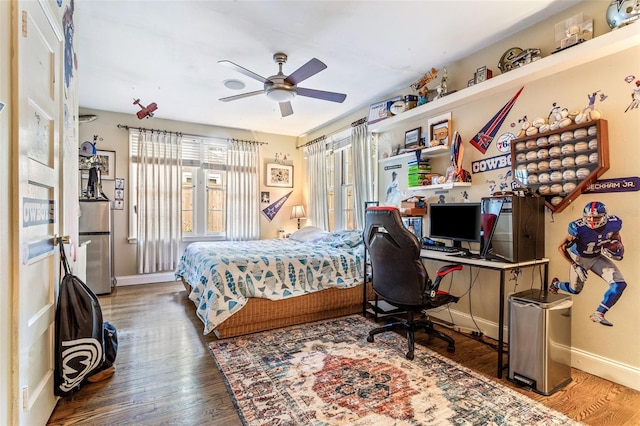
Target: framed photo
x=119 y=183
x=280 y=175
x=471 y=82
x=412 y=138
x=440 y=129
x=105 y=161
x=483 y=74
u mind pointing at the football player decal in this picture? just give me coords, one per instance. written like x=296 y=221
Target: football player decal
x=593 y=244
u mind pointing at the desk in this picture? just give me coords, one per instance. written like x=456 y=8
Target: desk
x=503 y=267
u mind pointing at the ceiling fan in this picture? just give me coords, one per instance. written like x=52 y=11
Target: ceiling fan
x=282 y=88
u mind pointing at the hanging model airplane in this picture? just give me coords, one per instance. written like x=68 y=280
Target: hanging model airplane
x=145 y=111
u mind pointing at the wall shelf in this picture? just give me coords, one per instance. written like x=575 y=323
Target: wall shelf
x=435 y=151
x=608 y=44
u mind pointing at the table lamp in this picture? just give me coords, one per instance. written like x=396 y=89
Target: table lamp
x=297 y=212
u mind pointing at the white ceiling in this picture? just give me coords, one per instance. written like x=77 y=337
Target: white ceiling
x=168 y=51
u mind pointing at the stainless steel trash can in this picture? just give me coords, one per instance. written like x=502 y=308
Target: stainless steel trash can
x=540 y=340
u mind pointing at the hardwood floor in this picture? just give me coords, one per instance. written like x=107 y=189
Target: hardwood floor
x=165 y=374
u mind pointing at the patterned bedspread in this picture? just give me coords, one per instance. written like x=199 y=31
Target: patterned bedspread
x=224 y=275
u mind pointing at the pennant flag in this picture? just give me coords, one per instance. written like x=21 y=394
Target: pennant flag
x=272 y=210
x=485 y=136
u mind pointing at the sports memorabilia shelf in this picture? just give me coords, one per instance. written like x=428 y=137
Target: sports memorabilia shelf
x=558 y=165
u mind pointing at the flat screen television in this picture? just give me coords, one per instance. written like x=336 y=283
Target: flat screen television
x=456 y=222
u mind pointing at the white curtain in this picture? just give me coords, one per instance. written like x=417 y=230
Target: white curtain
x=243 y=191
x=159 y=170
x=316 y=155
x=363 y=169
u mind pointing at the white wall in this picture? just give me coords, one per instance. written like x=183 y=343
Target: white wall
x=111 y=138
x=5 y=243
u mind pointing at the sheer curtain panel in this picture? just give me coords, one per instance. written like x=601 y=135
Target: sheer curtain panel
x=316 y=155
x=159 y=168
x=243 y=191
x=364 y=155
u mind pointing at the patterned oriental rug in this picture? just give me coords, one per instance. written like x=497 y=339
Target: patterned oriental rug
x=326 y=373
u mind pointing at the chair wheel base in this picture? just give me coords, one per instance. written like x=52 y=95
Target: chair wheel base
x=370 y=339
x=410 y=356
x=451 y=349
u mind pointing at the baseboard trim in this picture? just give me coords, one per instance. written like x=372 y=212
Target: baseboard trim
x=608 y=369
x=161 y=277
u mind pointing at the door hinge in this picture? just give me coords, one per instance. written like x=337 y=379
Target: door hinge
x=25 y=398
x=25 y=15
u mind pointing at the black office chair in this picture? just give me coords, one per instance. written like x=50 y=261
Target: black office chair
x=400 y=278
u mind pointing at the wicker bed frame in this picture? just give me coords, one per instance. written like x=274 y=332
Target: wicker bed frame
x=264 y=314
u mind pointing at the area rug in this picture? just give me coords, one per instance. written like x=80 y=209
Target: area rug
x=326 y=373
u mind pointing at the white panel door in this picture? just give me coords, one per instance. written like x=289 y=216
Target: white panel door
x=36 y=203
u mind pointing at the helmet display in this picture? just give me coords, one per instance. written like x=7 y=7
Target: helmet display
x=595 y=214
x=622 y=12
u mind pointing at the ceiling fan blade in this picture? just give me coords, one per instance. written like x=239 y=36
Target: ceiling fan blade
x=242 y=70
x=313 y=67
x=321 y=94
x=285 y=108
x=243 y=95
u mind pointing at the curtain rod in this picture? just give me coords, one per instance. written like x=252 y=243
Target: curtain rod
x=318 y=139
x=141 y=129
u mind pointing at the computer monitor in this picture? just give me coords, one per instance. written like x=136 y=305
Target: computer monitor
x=456 y=222
x=491 y=208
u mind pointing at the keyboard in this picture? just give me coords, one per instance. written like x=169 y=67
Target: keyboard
x=445 y=249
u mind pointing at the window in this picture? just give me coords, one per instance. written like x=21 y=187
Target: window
x=204 y=188
x=340 y=185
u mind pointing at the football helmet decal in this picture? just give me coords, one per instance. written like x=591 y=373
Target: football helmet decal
x=595 y=214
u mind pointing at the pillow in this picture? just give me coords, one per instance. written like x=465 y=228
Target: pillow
x=344 y=238
x=308 y=233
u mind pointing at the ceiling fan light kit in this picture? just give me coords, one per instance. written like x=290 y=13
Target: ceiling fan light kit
x=282 y=88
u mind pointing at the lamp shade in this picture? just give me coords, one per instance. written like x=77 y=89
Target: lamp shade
x=297 y=212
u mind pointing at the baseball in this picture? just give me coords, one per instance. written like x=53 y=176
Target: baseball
x=543 y=166
x=582 y=173
x=565 y=122
x=544 y=189
x=555 y=163
x=532 y=167
x=531 y=131
x=556 y=176
x=573 y=114
x=593 y=144
x=531 y=144
x=539 y=122
x=580 y=133
x=593 y=158
x=582 y=159
x=569 y=174
x=556 y=188
x=568 y=162
x=543 y=178
x=554 y=138
x=554 y=126
x=544 y=128
x=567 y=149
x=555 y=151
x=525 y=125
x=542 y=142
x=581 y=146
x=532 y=179
x=566 y=136
x=556 y=200
x=531 y=155
x=594 y=114
x=521 y=156
x=592 y=130
x=543 y=153
x=582 y=118
x=568 y=187
x=520 y=146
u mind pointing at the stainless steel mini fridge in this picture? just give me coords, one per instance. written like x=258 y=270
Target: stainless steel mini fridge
x=540 y=340
x=96 y=226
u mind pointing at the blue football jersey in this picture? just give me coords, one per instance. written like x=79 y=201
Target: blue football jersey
x=589 y=241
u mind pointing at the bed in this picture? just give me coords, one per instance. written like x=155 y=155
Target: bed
x=241 y=287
